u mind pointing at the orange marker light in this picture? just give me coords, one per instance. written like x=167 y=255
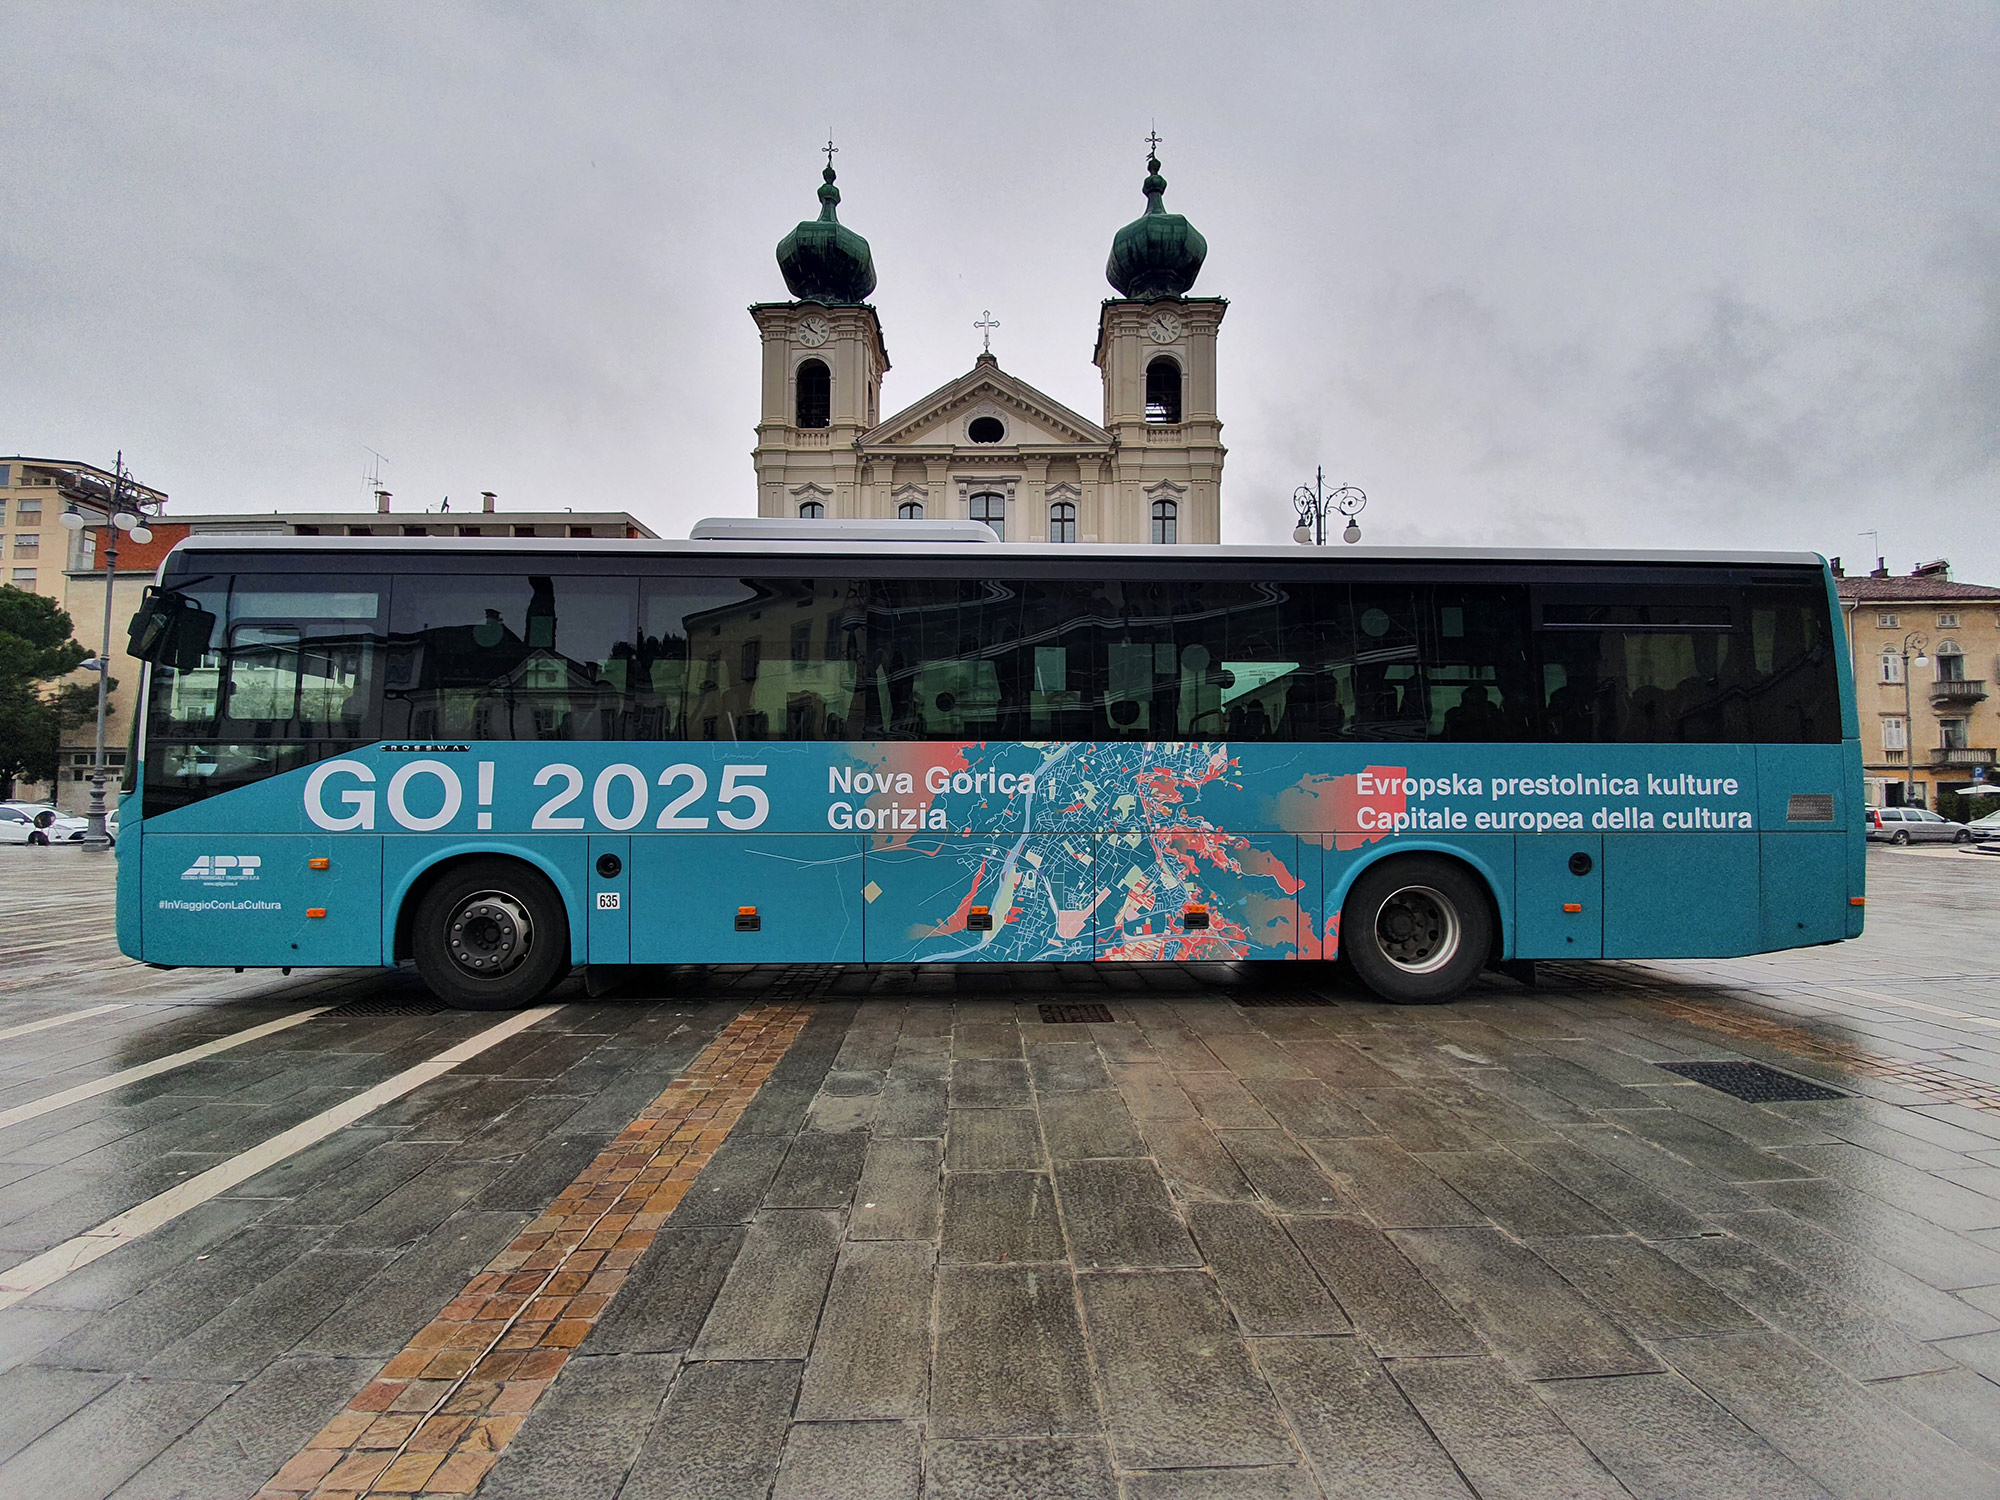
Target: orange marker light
x=315 y=911
x=1572 y=906
x=319 y=864
x=1857 y=900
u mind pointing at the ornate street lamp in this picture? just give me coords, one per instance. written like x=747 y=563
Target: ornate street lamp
x=1315 y=502
x=116 y=503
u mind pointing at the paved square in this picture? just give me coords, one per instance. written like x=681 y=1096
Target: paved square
x=901 y=1232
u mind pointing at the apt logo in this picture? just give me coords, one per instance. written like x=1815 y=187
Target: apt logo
x=223 y=869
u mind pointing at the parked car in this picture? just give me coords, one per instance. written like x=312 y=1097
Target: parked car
x=38 y=823
x=1915 y=825
x=1985 y=830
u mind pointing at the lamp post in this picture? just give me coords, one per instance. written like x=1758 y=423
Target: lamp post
x=119 y=509
x=1914 y=641
x=1315 y=502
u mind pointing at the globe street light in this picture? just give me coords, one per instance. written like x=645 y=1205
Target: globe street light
x=1315 y=502
x=118 y=504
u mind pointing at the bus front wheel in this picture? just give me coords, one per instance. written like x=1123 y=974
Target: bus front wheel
x=1417 y=928
x=491 y=935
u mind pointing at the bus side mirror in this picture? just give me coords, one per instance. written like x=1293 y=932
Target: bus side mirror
x=170 y=629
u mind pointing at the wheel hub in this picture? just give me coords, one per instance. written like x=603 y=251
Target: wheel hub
x=489 y=934
x=1418 y=929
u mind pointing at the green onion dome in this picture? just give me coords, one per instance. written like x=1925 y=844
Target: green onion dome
x=1158 y=254
x=823 y=260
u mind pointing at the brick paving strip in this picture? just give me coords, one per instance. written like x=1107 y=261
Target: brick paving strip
x=439 y=1414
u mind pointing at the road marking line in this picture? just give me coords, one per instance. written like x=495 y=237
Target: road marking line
x=52 y=1265
x=83 y=1091
x=1936 y=1010
x=75 y=1015
x=437 y=1416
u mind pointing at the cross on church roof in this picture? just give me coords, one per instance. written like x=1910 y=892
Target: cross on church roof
x=829 y=148
x=987 y=322
x=1153 y=142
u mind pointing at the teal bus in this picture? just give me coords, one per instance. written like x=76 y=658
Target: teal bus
x=903 y=743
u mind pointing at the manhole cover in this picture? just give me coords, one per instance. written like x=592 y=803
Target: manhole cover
x=389 y=1008
x=1075 y=1015
x=1753 y=1082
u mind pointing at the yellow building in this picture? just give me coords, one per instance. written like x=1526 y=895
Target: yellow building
x=1926 y=655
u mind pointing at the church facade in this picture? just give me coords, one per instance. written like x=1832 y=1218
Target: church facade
x=988 y=446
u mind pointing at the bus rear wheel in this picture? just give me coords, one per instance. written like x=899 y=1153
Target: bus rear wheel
x=491 y=935
x=1417 y=929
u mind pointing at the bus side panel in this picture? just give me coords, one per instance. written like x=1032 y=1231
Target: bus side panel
x=1680 y=895
x=1045 y=894
x=131 y=853
x=250 y=899
x=1546 y=885
x=806 y=888
x=565 y=859
x=1857 y=837
x=610 y=899
x=1247 y=887
x=1805 y=874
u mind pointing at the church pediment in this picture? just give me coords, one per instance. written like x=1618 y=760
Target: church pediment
x=1027 y=417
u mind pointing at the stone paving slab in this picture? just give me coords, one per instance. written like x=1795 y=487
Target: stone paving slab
x=1301 y=1245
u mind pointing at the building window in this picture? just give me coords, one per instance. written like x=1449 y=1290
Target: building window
x=1062 y=521
x=28 y=513
x=1947 y=622
x=1950 y=662
x=1889 y=622
x=910 y=510
x=1163 y=391
x=1952 y=734
x=6 y=475
x=1166 y=522
x=1892 y=666
x=815 y=407
x=28 y=546
x=986 y=430
x=811 y=510
x=802 y=641
x=992 y=509
x=753 y=651
x=1895 y=736
x=24 y=578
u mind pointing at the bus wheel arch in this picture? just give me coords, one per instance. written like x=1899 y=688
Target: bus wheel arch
x=487 y=931
x=1418 y=926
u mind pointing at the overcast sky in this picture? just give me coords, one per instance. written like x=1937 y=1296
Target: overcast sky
x=1613 y=274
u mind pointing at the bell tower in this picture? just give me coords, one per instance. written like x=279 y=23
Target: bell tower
x=824 y=359
x=1156 y=351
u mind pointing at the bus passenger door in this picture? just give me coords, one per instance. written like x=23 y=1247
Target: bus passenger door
x=610 y=900
x=1558 y=895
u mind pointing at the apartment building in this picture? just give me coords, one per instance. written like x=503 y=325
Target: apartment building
x=1926 y=652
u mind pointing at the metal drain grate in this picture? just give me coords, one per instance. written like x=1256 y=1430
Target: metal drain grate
x=389 y=1008
x=1280 y=1002
x=1753 y=1082
x=1075 y=1015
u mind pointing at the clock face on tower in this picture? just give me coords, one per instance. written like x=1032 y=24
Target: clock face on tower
x=814 y=330
x=1163 y=328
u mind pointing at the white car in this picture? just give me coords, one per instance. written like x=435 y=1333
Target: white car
x=38 y=823
x=1986 y=829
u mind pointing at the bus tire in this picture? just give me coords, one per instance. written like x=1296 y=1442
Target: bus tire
x=491 y=934
x=1417 y=928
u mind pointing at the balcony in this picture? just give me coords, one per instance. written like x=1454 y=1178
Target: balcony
x=1971 y=690
x=1961 y=755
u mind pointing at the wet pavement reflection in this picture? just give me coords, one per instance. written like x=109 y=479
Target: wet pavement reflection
x=1084 y=1231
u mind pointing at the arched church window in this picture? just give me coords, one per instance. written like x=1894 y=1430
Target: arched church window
x=910 y=510
x=986 y=430
x=815 y=406
x=1166 y=522
x=1163 y=391
x=1062 y=521
x=991 y=508
x=812 y=510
